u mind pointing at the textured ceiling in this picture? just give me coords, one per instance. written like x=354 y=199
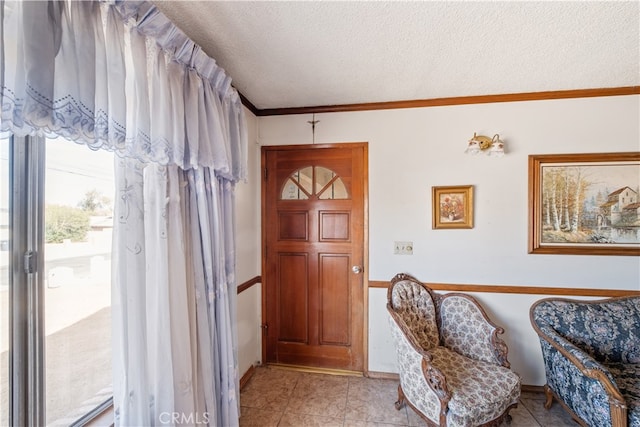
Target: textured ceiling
x=317 y=53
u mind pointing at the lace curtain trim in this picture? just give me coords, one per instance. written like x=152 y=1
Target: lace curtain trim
x=118 y=76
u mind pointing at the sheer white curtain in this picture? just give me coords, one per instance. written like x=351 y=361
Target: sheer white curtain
x=178 y=323
x=120 y=76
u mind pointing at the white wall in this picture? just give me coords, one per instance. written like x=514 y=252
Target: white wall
x=249 y=332
x=248 y=209
x=249 y=315
x=411 y=150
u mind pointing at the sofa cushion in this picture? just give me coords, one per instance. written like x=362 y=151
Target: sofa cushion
x=480 y=391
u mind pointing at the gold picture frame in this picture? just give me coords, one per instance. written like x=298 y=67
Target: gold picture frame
x=452 y=207
x=584 y=204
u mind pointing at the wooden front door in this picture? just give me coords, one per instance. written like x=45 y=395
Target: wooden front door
x=313 y=255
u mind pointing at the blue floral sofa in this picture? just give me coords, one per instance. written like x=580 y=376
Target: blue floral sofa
x=591 y=352
x=452 y=364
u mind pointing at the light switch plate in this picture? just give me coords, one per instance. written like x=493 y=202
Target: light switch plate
x=403 y=248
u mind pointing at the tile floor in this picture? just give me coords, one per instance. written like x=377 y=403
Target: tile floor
x=282 y=397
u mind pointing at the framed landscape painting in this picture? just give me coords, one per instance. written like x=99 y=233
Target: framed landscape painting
x=452 y=207
x=584 y=204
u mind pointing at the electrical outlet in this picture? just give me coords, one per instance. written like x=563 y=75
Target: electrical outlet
x=403 y=248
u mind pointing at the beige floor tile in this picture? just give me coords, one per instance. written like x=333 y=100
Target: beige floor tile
x=259 y=417
x=555 y=416
x=268 y=379
x=317 y=405
x=299 y=420
x=521 y=417
x=356 y=423
x=269 y=389
x=317 y=394
x=275 y=401
x=374 y=400
x=414 y=419
x=279 y=397
x=309 y=383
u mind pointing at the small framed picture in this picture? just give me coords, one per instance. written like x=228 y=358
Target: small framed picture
x=452 y=207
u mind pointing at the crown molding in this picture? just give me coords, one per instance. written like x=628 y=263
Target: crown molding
x=248 y=104
x=440 y=102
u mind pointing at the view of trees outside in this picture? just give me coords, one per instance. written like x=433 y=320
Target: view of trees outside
x=591 y=204
x=65 y=223
x=79 y=189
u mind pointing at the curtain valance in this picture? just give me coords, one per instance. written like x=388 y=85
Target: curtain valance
x=118 y=76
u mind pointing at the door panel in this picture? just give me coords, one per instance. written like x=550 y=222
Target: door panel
x=335 y=296
x=293 y=225
x=313 y=233
x=334 y=226
x=293 y=295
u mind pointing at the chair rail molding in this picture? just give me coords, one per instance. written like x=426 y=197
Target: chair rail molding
x=515 y=289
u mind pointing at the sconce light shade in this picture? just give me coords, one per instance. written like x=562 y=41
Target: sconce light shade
x=483 y=144
x=473 y=147
x=497 y=147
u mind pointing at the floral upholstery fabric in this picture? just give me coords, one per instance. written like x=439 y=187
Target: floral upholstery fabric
x=464 y=329
x=607 y=331
x=600 y=335
x=415 y=306
x=480 y=390
x=414 y=385
x=584 y=396
x=627 y=377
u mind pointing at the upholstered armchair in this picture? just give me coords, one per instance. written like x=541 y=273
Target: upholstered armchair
x=591 y=353
x=453 y=366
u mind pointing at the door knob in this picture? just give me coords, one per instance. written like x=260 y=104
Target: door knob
x=356 y=269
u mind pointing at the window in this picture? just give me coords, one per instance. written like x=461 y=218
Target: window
x=65 y=340
x=316 y=181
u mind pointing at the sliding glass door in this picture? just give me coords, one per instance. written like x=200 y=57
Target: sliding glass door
x=25 y=349
x=4 y=282
x=78 y=215
x=56 y=218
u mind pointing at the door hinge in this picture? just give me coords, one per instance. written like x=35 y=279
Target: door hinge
x=266 y=174
x=265 y=328
x=30 y=262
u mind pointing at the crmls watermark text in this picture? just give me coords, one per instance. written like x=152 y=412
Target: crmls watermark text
x=183 y=418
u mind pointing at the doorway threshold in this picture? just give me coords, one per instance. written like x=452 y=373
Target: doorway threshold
x=313 y=370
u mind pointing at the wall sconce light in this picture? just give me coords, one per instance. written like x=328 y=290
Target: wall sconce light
x=483 y=144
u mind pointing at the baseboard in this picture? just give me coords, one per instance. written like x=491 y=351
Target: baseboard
x=383 y=375
x=247 y=376
x=532 y=388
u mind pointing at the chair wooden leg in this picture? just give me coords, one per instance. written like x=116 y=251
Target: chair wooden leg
x=400 y=402
x=548 y=397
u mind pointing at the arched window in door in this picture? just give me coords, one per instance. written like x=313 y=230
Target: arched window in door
x=314 y=182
